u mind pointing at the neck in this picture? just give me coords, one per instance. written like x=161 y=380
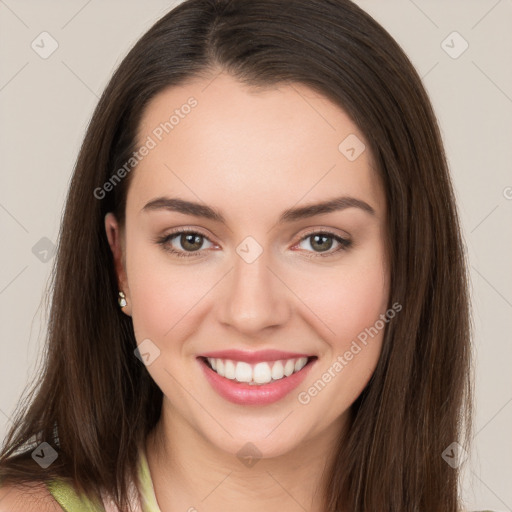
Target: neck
x=189 y=473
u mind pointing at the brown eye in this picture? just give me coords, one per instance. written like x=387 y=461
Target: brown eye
x=322 y=242
x=183 y=243
x=191 y=241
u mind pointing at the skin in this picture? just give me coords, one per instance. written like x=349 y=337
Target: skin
x=251 y=155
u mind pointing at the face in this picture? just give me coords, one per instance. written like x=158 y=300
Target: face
x=251 y=274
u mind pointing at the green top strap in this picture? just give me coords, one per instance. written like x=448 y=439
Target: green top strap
x=65 y=494
x=149 y=503
x=69 y=500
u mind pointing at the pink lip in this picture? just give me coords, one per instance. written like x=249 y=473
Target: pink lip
x=247 y=394
x=254 y=357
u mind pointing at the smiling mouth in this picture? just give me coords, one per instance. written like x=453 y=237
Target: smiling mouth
x=265 y=372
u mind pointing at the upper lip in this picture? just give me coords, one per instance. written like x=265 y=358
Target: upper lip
x=254 y=357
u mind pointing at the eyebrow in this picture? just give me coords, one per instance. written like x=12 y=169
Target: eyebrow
x=290 y=215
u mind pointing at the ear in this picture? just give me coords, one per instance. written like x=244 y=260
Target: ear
x=116 y=242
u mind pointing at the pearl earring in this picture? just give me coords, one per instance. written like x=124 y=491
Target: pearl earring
x=122 y=299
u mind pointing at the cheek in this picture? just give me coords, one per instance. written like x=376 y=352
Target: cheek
x=163 y=294
x=360 y=302
x=351 y=305
x=351 y=299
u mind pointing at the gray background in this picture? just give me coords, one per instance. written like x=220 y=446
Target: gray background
x=46 y=103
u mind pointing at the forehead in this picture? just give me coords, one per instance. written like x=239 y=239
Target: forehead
x=221 y=139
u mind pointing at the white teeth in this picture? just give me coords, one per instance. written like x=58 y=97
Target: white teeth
x=243 y=372
x=260 y=373
x=277 y=370
x=289 y=367
x=229 y=369
x=300 y=363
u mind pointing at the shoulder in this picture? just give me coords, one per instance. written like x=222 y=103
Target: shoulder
x=33 y=497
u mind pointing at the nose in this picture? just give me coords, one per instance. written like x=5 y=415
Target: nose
x=253 y=297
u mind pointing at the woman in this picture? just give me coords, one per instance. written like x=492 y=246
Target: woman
x=260 y=297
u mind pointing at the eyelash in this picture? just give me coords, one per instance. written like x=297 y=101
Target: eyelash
x=164 y=241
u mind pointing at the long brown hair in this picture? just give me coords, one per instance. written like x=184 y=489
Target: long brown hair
x=95 y=402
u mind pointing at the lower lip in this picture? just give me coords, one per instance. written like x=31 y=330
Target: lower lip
x=258 y=394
